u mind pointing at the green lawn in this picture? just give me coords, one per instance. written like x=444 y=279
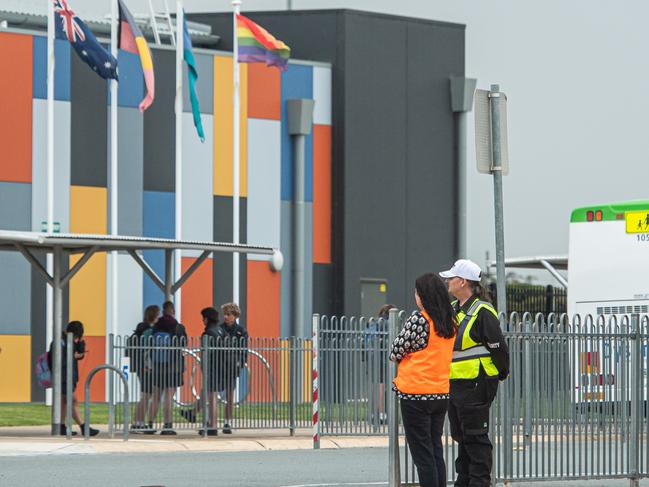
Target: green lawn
x=40 y=414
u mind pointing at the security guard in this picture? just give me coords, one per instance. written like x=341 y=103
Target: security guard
x=480 y=359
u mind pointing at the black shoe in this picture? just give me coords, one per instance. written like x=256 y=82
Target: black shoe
x=91 y=431
x=189 y=415
x=149 y=430
x=226 y=429
x=167 y=430
x=63 y=431
x=210 y=432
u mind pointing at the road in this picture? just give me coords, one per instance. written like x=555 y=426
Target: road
x=351 y=467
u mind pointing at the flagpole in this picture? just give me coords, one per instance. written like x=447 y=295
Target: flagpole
x=236 y=5
x=56 y=409
x=180 y=38
x=113 y=168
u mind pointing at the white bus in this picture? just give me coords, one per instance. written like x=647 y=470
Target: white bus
x=608 y=259
x=608 y=275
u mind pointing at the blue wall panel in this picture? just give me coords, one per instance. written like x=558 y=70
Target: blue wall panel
x=297 y=82
x=61 y=69
x=131 y=80
x=159 y=221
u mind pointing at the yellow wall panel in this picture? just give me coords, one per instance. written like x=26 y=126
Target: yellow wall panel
x=88 y=214
x=16 y=364
x=223 y=127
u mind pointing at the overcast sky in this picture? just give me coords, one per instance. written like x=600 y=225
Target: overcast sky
x=577 y=79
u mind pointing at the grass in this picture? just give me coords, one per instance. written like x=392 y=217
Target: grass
x=40 y=414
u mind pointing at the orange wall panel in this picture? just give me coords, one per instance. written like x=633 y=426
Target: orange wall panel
x=16 y=367
x=88 y=214
x=264 y=94
x=263 y=300
x=196 y=294
x=223 y=127
x=16 y=54
x=95 y=355
x=322 y=194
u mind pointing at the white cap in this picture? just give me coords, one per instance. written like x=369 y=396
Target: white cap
x=464 y=268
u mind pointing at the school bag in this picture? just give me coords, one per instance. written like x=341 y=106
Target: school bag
x=42 y=371
x=162 y=341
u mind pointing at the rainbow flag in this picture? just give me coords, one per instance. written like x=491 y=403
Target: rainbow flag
x=132 y=40
x=256 y=45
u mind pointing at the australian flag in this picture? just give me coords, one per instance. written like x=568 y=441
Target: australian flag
x=72 y=28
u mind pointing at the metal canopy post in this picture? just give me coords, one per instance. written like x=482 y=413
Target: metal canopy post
x=57 y=291
x=169 y=275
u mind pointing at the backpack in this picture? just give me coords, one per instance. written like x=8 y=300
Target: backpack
x=162 y=339
x=42 y=371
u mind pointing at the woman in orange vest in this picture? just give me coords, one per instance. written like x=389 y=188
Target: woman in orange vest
x=423 y=350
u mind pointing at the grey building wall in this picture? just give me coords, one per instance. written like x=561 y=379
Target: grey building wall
x=394 y=179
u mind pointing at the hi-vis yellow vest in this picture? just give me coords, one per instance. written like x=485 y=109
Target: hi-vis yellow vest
x=467 y=354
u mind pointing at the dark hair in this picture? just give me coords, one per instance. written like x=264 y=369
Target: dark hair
x=210 y=314
x=151 y=313
x=433 y=295
x=76 y=328
x=384 y=312
x=168 y=307
x=481 y=291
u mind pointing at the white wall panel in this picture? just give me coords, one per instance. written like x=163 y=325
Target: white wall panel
x=264 y=183
x=322 y=95
x=61 y=164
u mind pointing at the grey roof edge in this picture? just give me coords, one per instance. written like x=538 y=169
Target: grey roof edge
x=366 y=13
x=106 y=243
x=534 y=262
x=100 y=28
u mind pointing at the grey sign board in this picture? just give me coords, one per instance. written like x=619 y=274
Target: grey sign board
x=483 y=145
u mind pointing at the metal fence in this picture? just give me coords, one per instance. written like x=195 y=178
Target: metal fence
x=533 y=299
x=204 y=383
x=574 y=406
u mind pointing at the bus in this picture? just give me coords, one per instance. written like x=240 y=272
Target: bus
x=608 y=275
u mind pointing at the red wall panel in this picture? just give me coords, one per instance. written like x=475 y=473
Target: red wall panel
x=264 y=92
x=196 y=294
x=95 y=355
x=16 y=55
x=263 y=293
x=322 y=194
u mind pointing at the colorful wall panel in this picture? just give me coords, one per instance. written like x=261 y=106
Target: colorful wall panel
x=95 y=355
x=15 y=361
x=16 y=107
x=88 y=214
x=146 y=198
x=61 y=165
x=223 y=127
x=264 y=183
x=196 y=295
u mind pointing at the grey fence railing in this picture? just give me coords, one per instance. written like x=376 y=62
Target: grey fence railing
x=574 y=406
x=253 y=383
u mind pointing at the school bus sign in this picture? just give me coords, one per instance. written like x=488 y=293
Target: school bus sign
x=637 y=221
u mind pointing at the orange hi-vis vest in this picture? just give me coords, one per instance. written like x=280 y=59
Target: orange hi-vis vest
x=427 y=371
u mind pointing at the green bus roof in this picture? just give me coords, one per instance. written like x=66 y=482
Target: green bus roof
x=610 y=211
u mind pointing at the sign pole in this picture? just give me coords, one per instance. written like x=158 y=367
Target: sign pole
x=497 y=171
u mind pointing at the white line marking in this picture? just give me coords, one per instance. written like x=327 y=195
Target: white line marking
x=336 y=484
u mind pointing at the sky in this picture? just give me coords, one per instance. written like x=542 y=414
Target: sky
x=576 y=75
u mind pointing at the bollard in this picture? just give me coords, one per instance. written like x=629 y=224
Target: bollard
x=69 y=357
x=394 y=468
x=125 y=398
x=314 y=380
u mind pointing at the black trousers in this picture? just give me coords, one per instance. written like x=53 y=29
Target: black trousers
x=423 y=422
x=468 y=414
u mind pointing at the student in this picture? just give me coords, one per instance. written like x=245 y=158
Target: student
x=168 y=338
x=480 y=360
x=79 y=352
x=423 y=351
x=232 y=359
x=141 y=363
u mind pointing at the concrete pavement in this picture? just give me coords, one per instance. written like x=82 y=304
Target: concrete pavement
x=35 y=440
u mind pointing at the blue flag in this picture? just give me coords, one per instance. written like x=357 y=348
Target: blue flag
x=69 y=26
x=192 y=76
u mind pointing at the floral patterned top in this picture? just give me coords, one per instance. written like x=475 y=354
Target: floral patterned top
x=412 y=338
